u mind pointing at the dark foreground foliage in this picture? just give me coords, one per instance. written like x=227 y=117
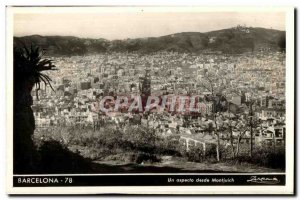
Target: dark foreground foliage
x=56 y=158
x=266 y=158
x=139 y=145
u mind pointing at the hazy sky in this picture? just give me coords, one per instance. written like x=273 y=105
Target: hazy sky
x=135 y=25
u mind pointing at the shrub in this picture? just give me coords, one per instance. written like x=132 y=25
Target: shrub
x=56 y=158
x=144 y=157
x=263 y=157
x=195 y=154
x=269 y=158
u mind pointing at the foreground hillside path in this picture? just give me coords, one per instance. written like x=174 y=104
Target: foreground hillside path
x=178 y=167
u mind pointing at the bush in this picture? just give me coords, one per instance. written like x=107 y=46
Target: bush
x=144 y=157
x=56 y=158
x=195 y=154
x=269 y=158
x=263 y=157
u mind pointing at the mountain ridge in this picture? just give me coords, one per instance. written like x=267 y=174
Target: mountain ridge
x=230 y=41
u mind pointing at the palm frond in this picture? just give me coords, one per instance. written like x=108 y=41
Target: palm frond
x=29 y=65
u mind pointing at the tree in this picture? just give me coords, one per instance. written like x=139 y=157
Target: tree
x=209 y=83
x=28 y=68
x=213 y=83
x=240 y=126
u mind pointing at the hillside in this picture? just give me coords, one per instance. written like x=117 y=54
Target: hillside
x=233 y=40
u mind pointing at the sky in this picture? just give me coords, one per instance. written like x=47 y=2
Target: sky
x=138 y=25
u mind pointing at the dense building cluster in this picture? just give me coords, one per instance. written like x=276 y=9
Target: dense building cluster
x=230 y=90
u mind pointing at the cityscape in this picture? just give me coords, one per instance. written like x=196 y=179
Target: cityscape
x=240 y=98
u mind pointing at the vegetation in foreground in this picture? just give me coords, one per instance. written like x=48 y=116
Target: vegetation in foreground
x=138 y=145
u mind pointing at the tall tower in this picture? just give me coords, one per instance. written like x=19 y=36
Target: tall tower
x=145 y=87
x=145 y=84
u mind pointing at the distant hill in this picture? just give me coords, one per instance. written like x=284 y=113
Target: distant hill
x=243 y=39
x=233 y=40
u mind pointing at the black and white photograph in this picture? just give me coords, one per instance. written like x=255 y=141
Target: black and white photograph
x=150 y=100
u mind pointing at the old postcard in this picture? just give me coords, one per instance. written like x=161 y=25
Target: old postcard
x=150 y=100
